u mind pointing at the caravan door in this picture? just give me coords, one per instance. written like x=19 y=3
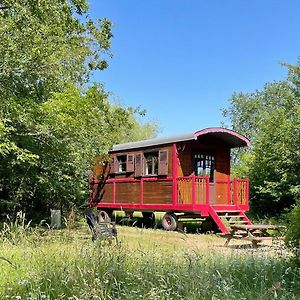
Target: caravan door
x=204 y=165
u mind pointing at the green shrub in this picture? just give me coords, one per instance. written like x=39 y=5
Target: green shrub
x=293 y=232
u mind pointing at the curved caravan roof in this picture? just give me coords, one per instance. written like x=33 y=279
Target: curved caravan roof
x=230 y=137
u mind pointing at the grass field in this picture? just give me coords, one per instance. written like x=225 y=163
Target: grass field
x=145 y=264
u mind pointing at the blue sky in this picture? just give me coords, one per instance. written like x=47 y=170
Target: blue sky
x=181 y=60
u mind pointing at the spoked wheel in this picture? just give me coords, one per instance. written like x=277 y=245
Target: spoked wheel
x=105 y=216
x=148 y=219
x=170 y=222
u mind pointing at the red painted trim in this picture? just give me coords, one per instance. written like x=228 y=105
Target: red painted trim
x=128 y=180
x=175 y=174
x=218 y=221
x=197 y=209
x=227 y=207
x=162 y=207
x=245 y=218
x=125 y=180
x=244 y=207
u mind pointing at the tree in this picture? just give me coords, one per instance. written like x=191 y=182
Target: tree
x=47 y=43
x=270 y=118
x=52 y=124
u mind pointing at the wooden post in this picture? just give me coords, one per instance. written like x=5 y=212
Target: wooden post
x=141 y=191
x=229 y=190
x=235 y=196
x=207 y=190
x=247 y=192
x=193 y=190
x=114 y=192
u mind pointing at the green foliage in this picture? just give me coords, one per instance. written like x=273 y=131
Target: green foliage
x=292 y=237
x=270 y=118
x=57 y=143
x=46 y=44
x=51 y=124
x=17 y=231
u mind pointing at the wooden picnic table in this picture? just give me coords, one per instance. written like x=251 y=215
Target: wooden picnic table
x=255 y=233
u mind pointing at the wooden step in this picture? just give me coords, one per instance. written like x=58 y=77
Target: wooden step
x=231 y=216
x=238 y=222
x=258 y=238
x=227 y=213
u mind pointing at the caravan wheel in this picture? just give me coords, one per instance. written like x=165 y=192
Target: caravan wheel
x=105 y=216
x=170 y=222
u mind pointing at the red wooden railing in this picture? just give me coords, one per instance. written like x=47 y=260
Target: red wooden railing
x=189 y=191
x=198 y=190
x=192 y=190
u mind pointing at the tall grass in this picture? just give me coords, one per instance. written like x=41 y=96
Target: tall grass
x=146 y=264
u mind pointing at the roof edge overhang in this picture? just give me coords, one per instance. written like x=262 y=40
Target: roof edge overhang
x=232 y=138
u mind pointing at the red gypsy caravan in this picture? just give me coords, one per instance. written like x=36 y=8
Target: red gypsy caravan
x=185 y=176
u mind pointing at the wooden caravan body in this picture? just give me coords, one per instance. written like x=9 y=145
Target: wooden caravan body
x=187 y=175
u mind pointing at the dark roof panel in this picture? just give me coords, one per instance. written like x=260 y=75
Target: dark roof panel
x=230 y=137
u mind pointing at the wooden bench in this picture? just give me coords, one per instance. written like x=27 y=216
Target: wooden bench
x=255 y=233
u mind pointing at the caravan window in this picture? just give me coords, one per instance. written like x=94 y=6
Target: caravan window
x=205 y=165
x=151 y=163
x=121 y=163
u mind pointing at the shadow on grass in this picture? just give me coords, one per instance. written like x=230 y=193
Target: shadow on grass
x=185 y=227
x=247 y=246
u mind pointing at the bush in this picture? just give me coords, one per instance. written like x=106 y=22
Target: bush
x=293 y=232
